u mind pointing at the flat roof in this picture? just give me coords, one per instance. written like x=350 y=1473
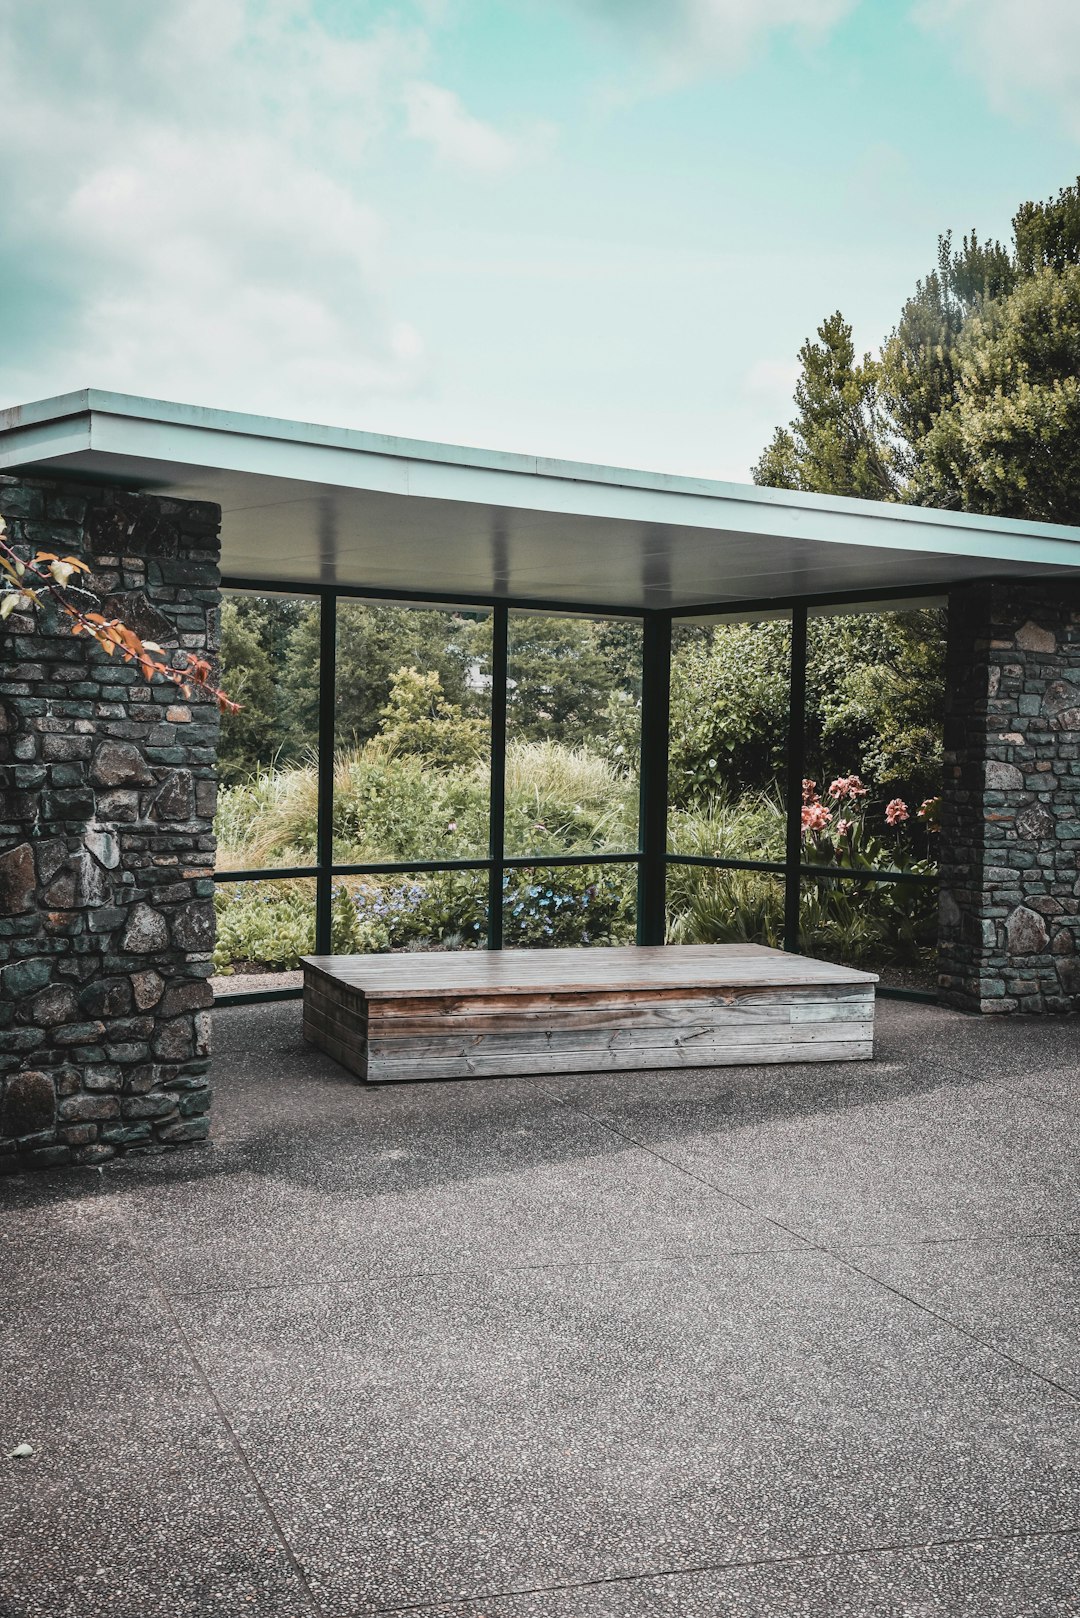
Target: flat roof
x=304 y=504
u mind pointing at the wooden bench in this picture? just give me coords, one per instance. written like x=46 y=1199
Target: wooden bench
x=474 y=1014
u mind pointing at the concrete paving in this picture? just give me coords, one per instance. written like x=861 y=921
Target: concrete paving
x=798 y=1341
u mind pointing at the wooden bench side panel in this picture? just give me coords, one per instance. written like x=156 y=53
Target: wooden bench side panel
x=476 y=1036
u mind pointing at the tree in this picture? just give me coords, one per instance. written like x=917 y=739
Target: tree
x=373 y=643
x=729 y=708
x=418 y=720
x=559 y=678
x=1009 y=441
x=836 y=444
x=249 y=741
x=972 y=400
x=874 y=698
x=918 y=361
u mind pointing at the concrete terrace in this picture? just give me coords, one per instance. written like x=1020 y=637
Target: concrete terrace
x=742 y=1342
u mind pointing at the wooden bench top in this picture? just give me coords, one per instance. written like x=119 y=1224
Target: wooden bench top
x=596 y=969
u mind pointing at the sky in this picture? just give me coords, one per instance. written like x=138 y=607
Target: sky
x=594 y=229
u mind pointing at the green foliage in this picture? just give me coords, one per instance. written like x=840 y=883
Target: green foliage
x=268 y=923
x=875 y=697
x=396 y=806
x=272 y=923
x=562 y=800
x=418 y=720
x=1009 y=443
x=373 y=644
x=253 y=632
x=862 y=924
x=562 y=672
x=974 y=401
x=729 y=705
x=836 y=443
x=749 y=825
x=1047 y=234
x=568 y=906
x=918 y=360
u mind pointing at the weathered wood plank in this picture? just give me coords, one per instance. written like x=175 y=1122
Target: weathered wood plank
x=457 y=1016
x=673 y=1014
x=519 y=971
x=704 y=1038
x=615 y=1001
x=615 y=1061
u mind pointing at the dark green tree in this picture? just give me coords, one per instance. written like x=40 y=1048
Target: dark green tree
x=255 y=635
x=836 y=444
x=970 y=403
x=560 y=676
x=373 y=643
x=1009 y=443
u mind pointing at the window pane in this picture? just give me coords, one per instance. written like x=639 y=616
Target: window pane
x=573 y=734
x=564 y=906
x=412 y=733
x=884 y=927
x=263 y=928
x=730 y=695
x=421 y=910
x=707 y=905
x=268 y=751
x=874 y=723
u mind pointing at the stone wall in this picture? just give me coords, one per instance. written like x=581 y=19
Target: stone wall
x=1010 y=885
x=106 y=852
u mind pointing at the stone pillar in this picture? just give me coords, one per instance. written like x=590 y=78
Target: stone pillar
x=107 y=789
x=1010 y=893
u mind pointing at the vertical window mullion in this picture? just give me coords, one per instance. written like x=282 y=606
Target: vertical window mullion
x=796 y=769
x=324 y=838
x=652 y=827
x=500 y=630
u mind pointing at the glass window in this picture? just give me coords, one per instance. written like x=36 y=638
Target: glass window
x=416 y=910
x=875 y=694
x=263 y=928
x=885 y=927
x=268 y=753
x=730 y=698
x=565 y=906
x=711 y=905
x=412 y=733
x=573 y=734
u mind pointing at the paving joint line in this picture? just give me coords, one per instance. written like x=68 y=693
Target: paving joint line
x=1072 y=1393
x=373 y=1281
x=234 y=1440
x=689 y=1174
x=445 y=1603
x=838 y=1256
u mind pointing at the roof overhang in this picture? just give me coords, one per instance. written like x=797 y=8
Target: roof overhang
x=305 y=505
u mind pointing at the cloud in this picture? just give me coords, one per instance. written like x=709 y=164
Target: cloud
x=1025 y=52
x=437 y=115
x=184 y=206
x=686 y=38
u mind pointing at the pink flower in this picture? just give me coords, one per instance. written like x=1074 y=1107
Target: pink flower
x=896 y=812
x=847 y=786
x=844 y=827
x=809 y=792
x=451 y=825
x=815 y=817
